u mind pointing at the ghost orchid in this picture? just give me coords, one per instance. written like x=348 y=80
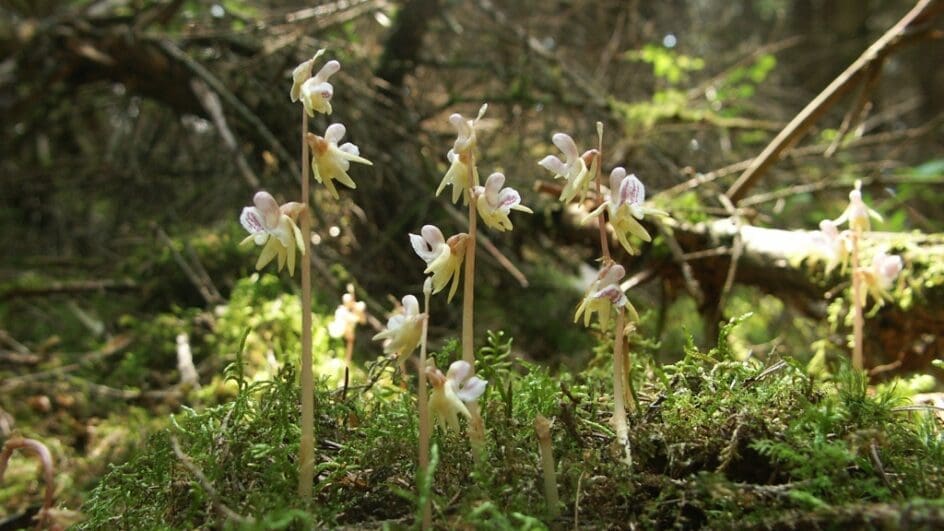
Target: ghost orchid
x=315 y=92
x=857 y=214
x=625 y=205
x=461 y=155
x=452 y=392
x=574 y=168
x=605 y=293
x=404 y=329
x=330 y=162
x=443 y=257
x=829 y=244
x=274 y=227
x=878 y=278
x=350 y=313
x=495 y=203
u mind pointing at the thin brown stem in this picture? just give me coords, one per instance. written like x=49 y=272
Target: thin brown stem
x=858 y=321
x=424 y=409
x=476 y=424
x=619 y=407
x=49 y=471
x=306 y=451
x=604 y=244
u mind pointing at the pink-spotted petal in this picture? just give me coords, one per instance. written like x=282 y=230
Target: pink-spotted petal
x=632 y=191
x=251 y=220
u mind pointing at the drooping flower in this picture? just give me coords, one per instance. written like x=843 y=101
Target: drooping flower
x=857 y=214
x=625 y=203
x=830 y=245
x=329 y=162
x=878 y=278
x=460 y=156
x=452 y=392
x=403 y=331
x=350 y=313
x=273 y=227
x=315 y=92
x=578 y=170
x=604 y=294
x=443 y=257
x=494 y=203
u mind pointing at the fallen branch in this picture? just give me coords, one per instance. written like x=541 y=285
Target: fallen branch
x=45 y=458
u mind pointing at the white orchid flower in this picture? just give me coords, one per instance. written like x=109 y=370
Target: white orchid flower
x=273 y=227
x=831 y=245
x=443 y=257
x=578 y=170
x=350 y=313
x=452 y=392
x=857 y=214
x=330 y=162
x=604 y=294
x=460 y=156
x=879 y=278
x=494 y=203
x=403 y=331
x=315 y=92
x=625 y=203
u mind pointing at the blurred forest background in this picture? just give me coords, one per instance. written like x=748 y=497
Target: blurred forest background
x=134 y=131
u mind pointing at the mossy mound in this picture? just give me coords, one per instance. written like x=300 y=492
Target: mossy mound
x=716 y=443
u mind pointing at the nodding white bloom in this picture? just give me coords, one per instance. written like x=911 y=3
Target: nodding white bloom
x=460 y=156
x=452 y=392
x=495 y=203
x=315 y=92
x=857 y=214
x=625 y=205
x=350 y=313
x=404 y=328
x=330 y=162
x=274 y=227
x=578 y=170
x=605 y=293
x=829 y=244
x=443 y=257
x=878 y=278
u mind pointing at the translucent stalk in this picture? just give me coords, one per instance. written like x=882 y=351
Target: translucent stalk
x=476 y=423
x=306 y=451
x=423 y=407
x=858 y=320
x=619 y=407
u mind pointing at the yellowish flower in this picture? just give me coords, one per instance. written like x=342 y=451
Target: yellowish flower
x=443 y=257
x=578 y=170
x=350 y=313
x=604 y=294
x=625 y=204
x=460 y=156
x=274 y=228
x=830 y=245
x=452 y=392
x=315 y=92
x=494 y=203
x=403 y=331
x=857 y=214
x=329 y=162
x=878 y=279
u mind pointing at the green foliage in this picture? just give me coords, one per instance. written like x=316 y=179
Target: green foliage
x=667 y=64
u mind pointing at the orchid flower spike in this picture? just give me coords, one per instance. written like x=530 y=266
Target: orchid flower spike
x=495 y=203
x=315 y=92
x=604 y=294
x=452 y=392
x=625 y=205
x=329 y=162
x=274 y=227
x=350 y=313
x=460 y=156
x=578 y=170
x=830 y=245
x=443 y=257
x=403 y=331
x=879 y=278
x=857 y=214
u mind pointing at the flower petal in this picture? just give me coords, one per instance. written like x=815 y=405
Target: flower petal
x=566 y=144
x=459 y=371
x=268 y=207
x=334 y=133
x=473 y=388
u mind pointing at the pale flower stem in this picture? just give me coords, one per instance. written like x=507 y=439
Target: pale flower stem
x=629 y=401
x=306 y=451
x=424 y=414
x=858 y=322
x=543 y=429
x=619 y=407
x=604 y=244
x=476 y=423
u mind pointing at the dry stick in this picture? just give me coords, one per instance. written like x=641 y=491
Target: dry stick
x=424 y=409
x=202 y=287
x=912 y=25
x=306 y=451
x=857 y=110
x=45 y=458
x=211 y=491
x=213 y=107
x=858 y=320
x=476 y=424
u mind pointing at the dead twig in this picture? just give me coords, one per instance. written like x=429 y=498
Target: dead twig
x=203 y=284
x=208 y=487
x=49 y=470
